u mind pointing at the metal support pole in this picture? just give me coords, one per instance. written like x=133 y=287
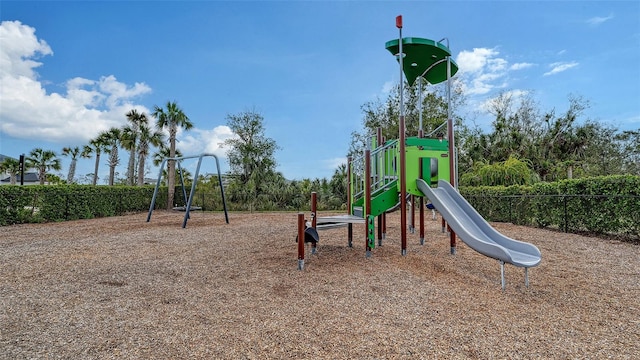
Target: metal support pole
x=314 y=206
x=526 y=277
x=350 y=234
x=412 y=213
x=403 y=156
x=502 y=281
x=367 y=196
x=382 y=172
x=300 y=241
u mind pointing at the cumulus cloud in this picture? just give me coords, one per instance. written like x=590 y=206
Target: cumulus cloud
x=30 y=112
x=198 y=141
x=559 y=67
x=597 y=20
x=482 y=70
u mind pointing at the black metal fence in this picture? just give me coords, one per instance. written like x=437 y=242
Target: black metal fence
x=617 y=215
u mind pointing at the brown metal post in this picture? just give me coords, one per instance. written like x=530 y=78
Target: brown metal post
x=412 y=221
x=403 y=189
x=314 y=207
x=349 y=185
x=367 y=195
x=402 y=178
x=381 y=173
x=452 y=176
x=300 y=241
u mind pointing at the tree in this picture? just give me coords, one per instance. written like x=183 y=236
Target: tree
x=250 y=152
x=171 y=119
x=112 y=138
x=147 y=137
x=251 y=157
x=12 y=167
x=97 y=146
x=43 y=161
x=385 y=115
x=630 y=143
x=74 y=153
x=130 y=140
x=159 y=156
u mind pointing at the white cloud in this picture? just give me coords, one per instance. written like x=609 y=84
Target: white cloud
x=29 y=112
x=514 y=95
x=559 y=67
x=520 y=66
x=482 y=70
x=597 y=20
x=333 y=164
x=199 y=141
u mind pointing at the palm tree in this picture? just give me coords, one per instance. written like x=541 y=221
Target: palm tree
x=44 y=161
x=97 y=145
x=131 y=138
x=112 y=138
x=12 y=167
x=170 y=119
x=73 y=153
x=160 y=155
x=148 y=136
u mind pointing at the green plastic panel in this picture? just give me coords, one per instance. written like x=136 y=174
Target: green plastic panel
x=385 y=200
x=420 y=55
x=414 y=156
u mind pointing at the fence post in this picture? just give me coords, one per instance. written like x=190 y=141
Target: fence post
x=566 y=221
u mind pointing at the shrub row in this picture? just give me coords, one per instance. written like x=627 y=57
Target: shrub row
x=43 y=203
x=599 y=205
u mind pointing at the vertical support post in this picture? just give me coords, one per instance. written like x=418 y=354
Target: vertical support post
x=502 y=280
x=350 y=234
x=526 y=277
x=314 y=206
x=349 y=190
x=367 y=196
x=421 y=170
x=21 y=169
x=155 y=192
x=402 y=178
x=453 y=174
x=412 y=219
x=382 y=173
x=300 y=241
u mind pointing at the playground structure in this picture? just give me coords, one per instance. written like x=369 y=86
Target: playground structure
x=391 y=171
x=188 y=201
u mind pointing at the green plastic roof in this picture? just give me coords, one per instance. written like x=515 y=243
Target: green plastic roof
x=420 y=54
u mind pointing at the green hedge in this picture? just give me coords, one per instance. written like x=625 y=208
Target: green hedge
x=43 y=203
x=599 y=205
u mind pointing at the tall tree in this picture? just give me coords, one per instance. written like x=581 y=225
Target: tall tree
x=171 y=118
x=98 y=145
x=44 y=161
x=159 y=156
x=385 y=114
x=250 y=152
x=12 y=167
x=112 y=138
x=131 y=139
x=147 y=137
x=73 y=153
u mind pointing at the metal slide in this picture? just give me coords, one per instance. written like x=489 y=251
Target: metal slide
x=476 y=232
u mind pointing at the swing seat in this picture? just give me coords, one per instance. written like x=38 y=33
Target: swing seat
x=184 y=208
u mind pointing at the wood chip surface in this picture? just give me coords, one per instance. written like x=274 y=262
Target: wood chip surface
x=120 y=287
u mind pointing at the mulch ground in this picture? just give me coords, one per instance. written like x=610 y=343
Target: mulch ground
x=123 y=288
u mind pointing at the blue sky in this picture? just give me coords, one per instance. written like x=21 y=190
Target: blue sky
x=69 y=70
